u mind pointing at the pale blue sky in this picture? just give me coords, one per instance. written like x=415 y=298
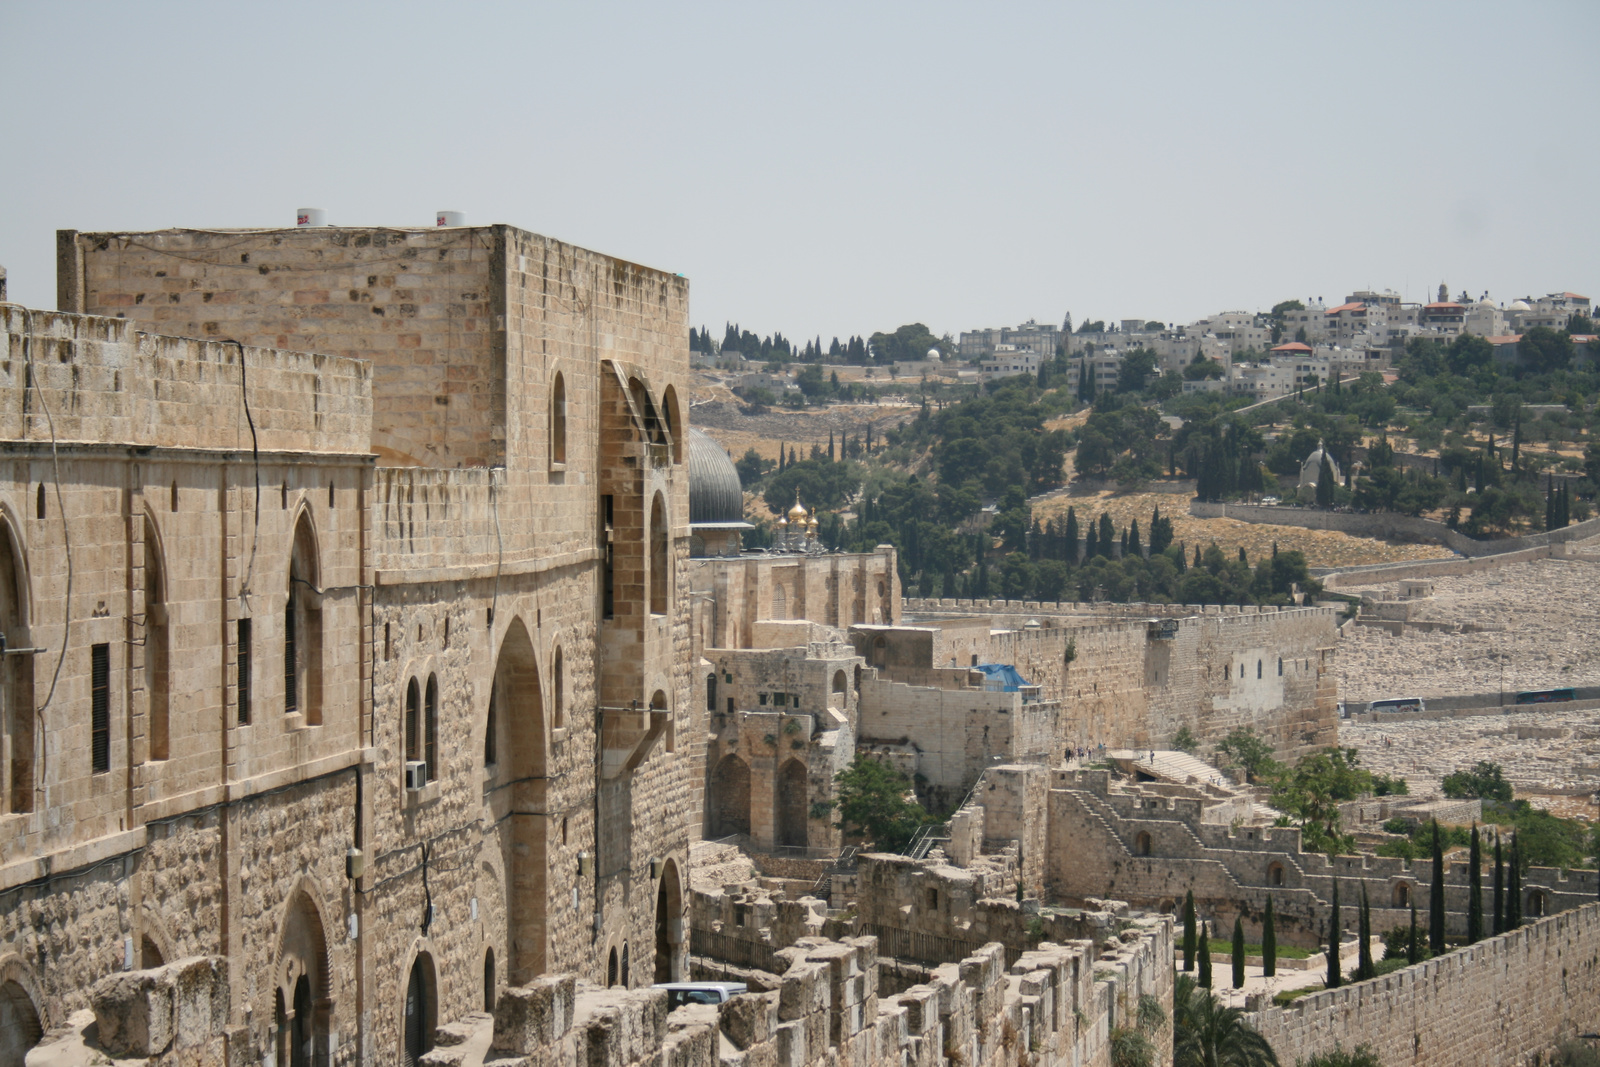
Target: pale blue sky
x=846 y=168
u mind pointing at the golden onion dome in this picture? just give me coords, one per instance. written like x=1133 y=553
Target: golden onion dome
x=798 y=512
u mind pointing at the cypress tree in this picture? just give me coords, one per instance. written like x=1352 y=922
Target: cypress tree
x=1124 y=553
x=780 y=458
x=1333 y=939
x=1499 y=887
x=1334 y=976
x=1072 y=535
x=1514 y=886
x=1436 y=898
x=1269 y=942
x=1188 y=931
x=1364 y=965
x=1091 y=542
x=1205 y=957
x=1108 y=534
x=1242 y=557
x=830 y=446
x=1238 y=953
x=1475 y=891
x=1325 y=483
x=1133 y=539
x=1197 y=556
x=1413 y=945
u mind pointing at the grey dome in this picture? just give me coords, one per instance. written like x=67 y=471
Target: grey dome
x=715 y=495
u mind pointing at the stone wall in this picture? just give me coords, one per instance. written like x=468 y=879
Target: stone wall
x=1496 y=1003
x=1126 y=686
x=1388 y=525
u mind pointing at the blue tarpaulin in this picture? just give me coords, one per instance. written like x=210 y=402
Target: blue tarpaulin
x=1001 y=677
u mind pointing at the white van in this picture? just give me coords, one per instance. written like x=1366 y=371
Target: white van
x=681 y=993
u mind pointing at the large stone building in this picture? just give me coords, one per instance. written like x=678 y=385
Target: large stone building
x=364 y=671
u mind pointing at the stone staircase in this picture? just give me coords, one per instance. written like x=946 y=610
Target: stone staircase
x=1171 y=765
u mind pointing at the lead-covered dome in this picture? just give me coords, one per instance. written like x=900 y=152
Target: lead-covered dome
x=715 y=495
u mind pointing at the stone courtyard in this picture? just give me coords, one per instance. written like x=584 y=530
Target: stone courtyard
x=1527 y=625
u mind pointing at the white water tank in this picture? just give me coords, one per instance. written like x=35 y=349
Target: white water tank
x=310 y=216
x=451 y=218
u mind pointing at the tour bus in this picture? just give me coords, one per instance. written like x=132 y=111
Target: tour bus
x=1398 y=704
x=1546 y=696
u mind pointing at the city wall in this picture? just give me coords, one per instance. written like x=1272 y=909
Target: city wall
x=1496 y=1003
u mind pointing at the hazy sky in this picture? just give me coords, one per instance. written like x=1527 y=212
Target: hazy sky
x=835 y=169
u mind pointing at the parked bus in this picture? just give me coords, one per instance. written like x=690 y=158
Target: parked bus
x=1547 y=696
x=1398 y=704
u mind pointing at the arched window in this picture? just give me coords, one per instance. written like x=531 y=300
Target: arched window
x=1227 y=672
x=1141 y=844
x=611 y=967
x=1538 y=904
x=420 y=1010
x=558 y=420
x=156 y=655
x=430 y=736
x=413 y=724
x=658 y=557
x=558 y=685
x=17 y=713
x=711 y=691
x=491 y=731
x=302 y=629
x=488 y=981
x=669 y=413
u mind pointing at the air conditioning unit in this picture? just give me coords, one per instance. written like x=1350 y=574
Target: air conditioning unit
x=416 y=774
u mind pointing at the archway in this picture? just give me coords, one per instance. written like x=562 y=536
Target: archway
x=303 y=980
x=1141 y=844
x=519 y=707
x=611 y=967
x=730 y=797
x=1402 y=895
x=669 y=924
x=489 y=997
x=16 y=675
x=155 y=643
x=1538 y=904
x=1275 y=874
x=421 y=1010
x=792 y=803
x=669 y=414
x=558 y=420
x=880 y=652
x=659 y=578
x=302 y=627
x=20 y=1027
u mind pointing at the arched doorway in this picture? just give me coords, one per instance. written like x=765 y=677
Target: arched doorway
x=420 y=1010
x=839 y=696
x=611 y=967
x=1141 y=844
x=520 y=809
x=20 y=1027
x=1402 y=895
x=1275 y=874
x=1538 y=904
x=669 y=924
x=489 y=998
x=792 y=803
x=730 y=798
x=16 y=676
x=302 y=996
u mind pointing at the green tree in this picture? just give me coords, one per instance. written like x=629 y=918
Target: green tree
x=1364 y=966
x=1208 y=1033
x=1135 y=370
x=1188 y=931
x=1414 y=945
x=1335 y=975
x=1514 y=886
x=1184 y=740
x=820 y=484
x=876 y=805
x=1543 y=350
x=1499 y=917
x=1325 y=483
x=1475 y=891
x=1313 y=792
x=1205 y=955
x=1436 y=927
x=1269 y=942
x=1238 y=952
x=1250 y=752
x=907 y=344
x=1486 y=780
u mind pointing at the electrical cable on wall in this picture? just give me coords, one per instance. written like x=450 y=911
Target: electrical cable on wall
x=255 y=459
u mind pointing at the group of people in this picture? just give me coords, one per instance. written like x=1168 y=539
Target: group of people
x=1083 y=752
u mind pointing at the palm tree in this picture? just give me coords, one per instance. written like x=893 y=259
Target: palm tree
x=1208 y=1033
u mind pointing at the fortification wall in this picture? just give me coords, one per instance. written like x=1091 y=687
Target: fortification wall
x=957 y=733
x=1221 y=668
x=1388 y=525
x=1495 y=1003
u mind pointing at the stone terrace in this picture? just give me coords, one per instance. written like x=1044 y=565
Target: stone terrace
x=1540 y=622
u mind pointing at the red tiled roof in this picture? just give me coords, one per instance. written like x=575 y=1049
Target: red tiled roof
x=1504 y=339
x=1574 y=296
x=1294 y=346
x=1346 y=307
x=1441 y=306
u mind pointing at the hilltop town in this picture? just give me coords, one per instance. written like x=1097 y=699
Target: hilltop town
x=425 y=646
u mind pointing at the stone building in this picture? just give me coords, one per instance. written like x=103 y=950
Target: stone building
x=362 y=673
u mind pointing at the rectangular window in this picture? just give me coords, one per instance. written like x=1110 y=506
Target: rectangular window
x=780 y=699
x=100 y=707
x=243 y=660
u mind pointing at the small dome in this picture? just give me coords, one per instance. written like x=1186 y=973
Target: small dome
x=1311 y=469
x=934 y=355
x=797 y=514
x=715 y=494
x=1519 y=305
